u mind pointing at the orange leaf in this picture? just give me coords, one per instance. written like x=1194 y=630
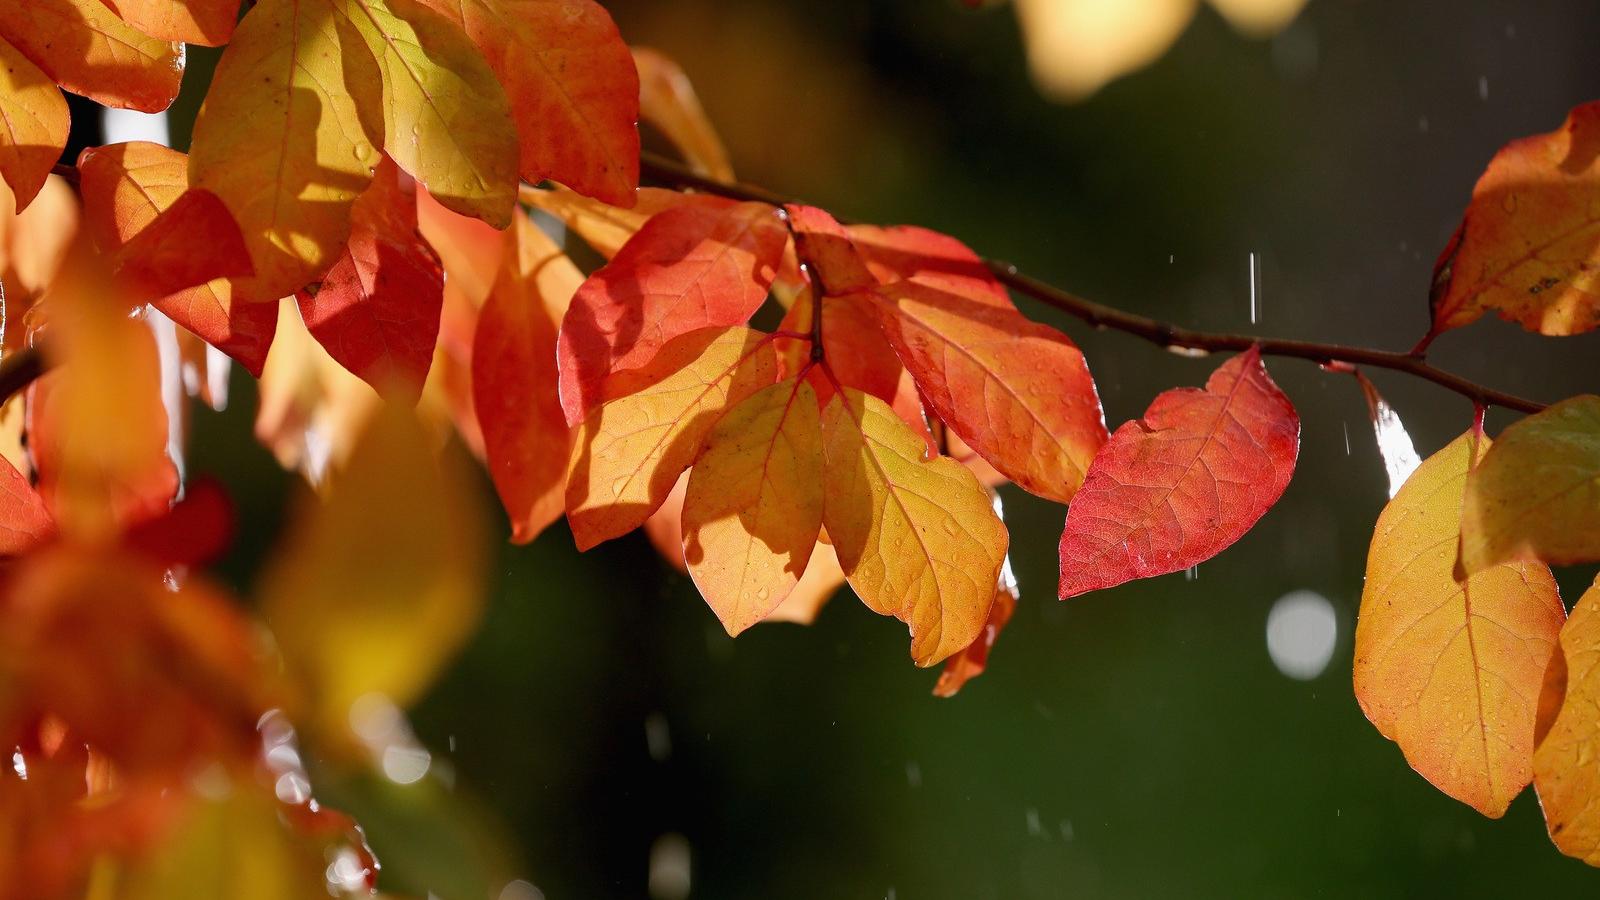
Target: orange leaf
x=971 y=662
x=25 y=523
x=917 y=537
x=33 y=125
x=606 y=228
x=33 y=245
x=208 y=23
x=689 y=267
x=161 y=260
x=1537 y=493
x=903 y=252
x=1450 y=669
x=469 y=250
x=1179 y=486
x=125 y=187
x=85 y=48
x=1529 y=246
x=667 y=100
x=1563 y=764
x=631 y=450
x=377 y=310
x=527 y=442
x=1018 y=392
x=572 y=86
x=823 y=244
x=754 y=503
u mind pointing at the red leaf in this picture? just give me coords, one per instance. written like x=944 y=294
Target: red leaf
x=377 y=311
x=690 y=267
x=161 y=259
x=823 y=244
x=195 y=531
x=25 y=523
x=904 y=252
x=1180 y=485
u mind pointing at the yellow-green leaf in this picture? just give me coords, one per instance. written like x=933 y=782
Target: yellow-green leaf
x=1564 y=771
x=754 y=504
x=917 y=537
x=631 y=449
x=1451 y=669
x=1537 y=493
x=379 y=586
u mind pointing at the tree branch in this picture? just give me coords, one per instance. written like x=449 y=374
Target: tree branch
x=1172 y=337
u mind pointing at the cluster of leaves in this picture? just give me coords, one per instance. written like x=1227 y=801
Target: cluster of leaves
x=364 y=182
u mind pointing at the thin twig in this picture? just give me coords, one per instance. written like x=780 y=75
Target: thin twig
x=666 y=171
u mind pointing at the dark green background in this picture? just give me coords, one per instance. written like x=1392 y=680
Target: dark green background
x=1133 y=743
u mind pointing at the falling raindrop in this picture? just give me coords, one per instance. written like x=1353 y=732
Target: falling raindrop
x=1255 y=274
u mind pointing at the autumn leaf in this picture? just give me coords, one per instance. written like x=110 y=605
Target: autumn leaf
x=1180 y=485
x=125 y=187
x=824 y=245
x=281 y=140
x=470 y=251
x=573 y=90
x=25 y=522
x=376 y=589
x=1450 y=668
x=668 y=101
x=33 y=125
x=754 y=503
x=974 y=660
x=85 y=48
x=1536 y=495
x=690 y=267
x=33 y=244
x=205 y=22
x=630 y=450
x=1018 y=392
x=1529 y=245
x=905 y=252
x=916 y=536
x=1563 y=768
x=377 y=309
x=527 y=442
x=604 y=227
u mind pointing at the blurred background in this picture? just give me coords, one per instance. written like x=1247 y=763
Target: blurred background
x=1188 y=736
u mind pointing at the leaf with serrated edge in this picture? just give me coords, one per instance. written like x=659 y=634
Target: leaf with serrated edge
x=689 y=267
x=1537 y=492
x=1563 y=765
x=754 y=503
x=917 y=537
x=631 y=449
x=1451 y=669
x=1179 y=486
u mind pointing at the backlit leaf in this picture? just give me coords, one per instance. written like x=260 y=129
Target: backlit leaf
x=1537 y=492
x=604 y=227
x=1529 y=245
x=917 y=537
x=527 y=442
x=1179 y=486
x=1451 y=669
x=312 y=409
x=667 y=100
x=689 y=267
x=572 y=87
x=1018 y=392
x=25 y=523
x=903 y=252
x=1563 y=765
x=205 y=22
x=630 y=450
x=85 y=48
x=754 y=503
x=971 y=662
x=33 y=125
x=124 y=188
x=377 y=310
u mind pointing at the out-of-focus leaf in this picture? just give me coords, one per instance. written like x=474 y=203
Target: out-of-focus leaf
x=916 y=536
x=1563 y=767
x=311 y=408
x=604 y=227
x=527 y=442
x=33 y=125
x=1180 y=485
x=378 y=587
x=85 y=48
x=690 y=267
x=1529 y=245
x=1449 y=668
x=33 y=244
x=630 y=450
x=667 y=100
x=469 y=250
x=205 y=22
x=572 y=86
x=1536 y=495
x=195 y=531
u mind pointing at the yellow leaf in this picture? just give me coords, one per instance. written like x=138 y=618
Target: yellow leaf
x=447 y=121
x=1260 y=18
x=1564 y=765
x=85 y=48
x=754 y=504
x=281 y=140
x=917 y=537
x=604 y=227
x=1450 y=669
x=1537 y=493
x=631 y=450
x=378 y=587
x=33 y=125
x=311 y=409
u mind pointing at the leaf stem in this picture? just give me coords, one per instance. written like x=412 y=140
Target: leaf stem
x=1163 y=334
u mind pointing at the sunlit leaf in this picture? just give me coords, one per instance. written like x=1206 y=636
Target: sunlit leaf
x=916 y=536
x=33 y=125
x=904 y=252
x=604 y=227
x=630 y=450
x=754 y=503
x=1563 y=765
x=205 y=22
x=1180 y=485
x=1450 y=669
x=311 y=408
x=25 y=523
x=85 y=48
x=971 y=662
x=1537 y=492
